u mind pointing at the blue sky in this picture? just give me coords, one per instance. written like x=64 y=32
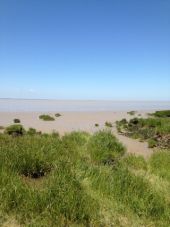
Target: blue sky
x=85 y=49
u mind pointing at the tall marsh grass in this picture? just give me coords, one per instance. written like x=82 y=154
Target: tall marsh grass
x=79 y=180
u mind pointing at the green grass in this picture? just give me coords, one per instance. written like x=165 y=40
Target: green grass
x=31 y=131
x=163 y=113
x=160 y=164
x=152 y=143
x=80 y=180
x=104 y=148
x=135 y=162
x=45 y=117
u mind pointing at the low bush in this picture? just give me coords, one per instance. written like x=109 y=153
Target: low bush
x=15 y=130
x=131 y=113
x=16 y=120
x=58 y=115
x=31 y=131
x=45 y=117
x=108 y=124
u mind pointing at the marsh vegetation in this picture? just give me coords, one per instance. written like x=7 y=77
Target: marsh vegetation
x=154 y=129
x=46 y=117
x=131 y=112
x=80 y=180
x=57 y=115
x=108 y=124
x=16 y=120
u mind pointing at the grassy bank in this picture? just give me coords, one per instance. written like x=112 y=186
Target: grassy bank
x=80 y=180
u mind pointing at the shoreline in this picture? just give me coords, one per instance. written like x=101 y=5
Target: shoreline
x=79 y=121
x=68 y=121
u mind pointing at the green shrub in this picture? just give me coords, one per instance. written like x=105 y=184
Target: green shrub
x=58 y=115
x=108 y=124
x=1 y=127
x=131 y=113
x=15 y=130
x=123 y=121
x=16 y=120
x=45 y=117
x=121 y=125
x=134 y=121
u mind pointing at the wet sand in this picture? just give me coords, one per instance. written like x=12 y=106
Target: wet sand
x=68 y=121
x=78 y=121
x=134 y=146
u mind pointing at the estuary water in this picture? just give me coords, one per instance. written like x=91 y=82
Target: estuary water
x=35 y=105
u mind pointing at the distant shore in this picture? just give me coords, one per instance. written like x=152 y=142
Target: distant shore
x=40 y=105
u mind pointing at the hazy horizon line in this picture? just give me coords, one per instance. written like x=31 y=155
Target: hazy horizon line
x=87 y=100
